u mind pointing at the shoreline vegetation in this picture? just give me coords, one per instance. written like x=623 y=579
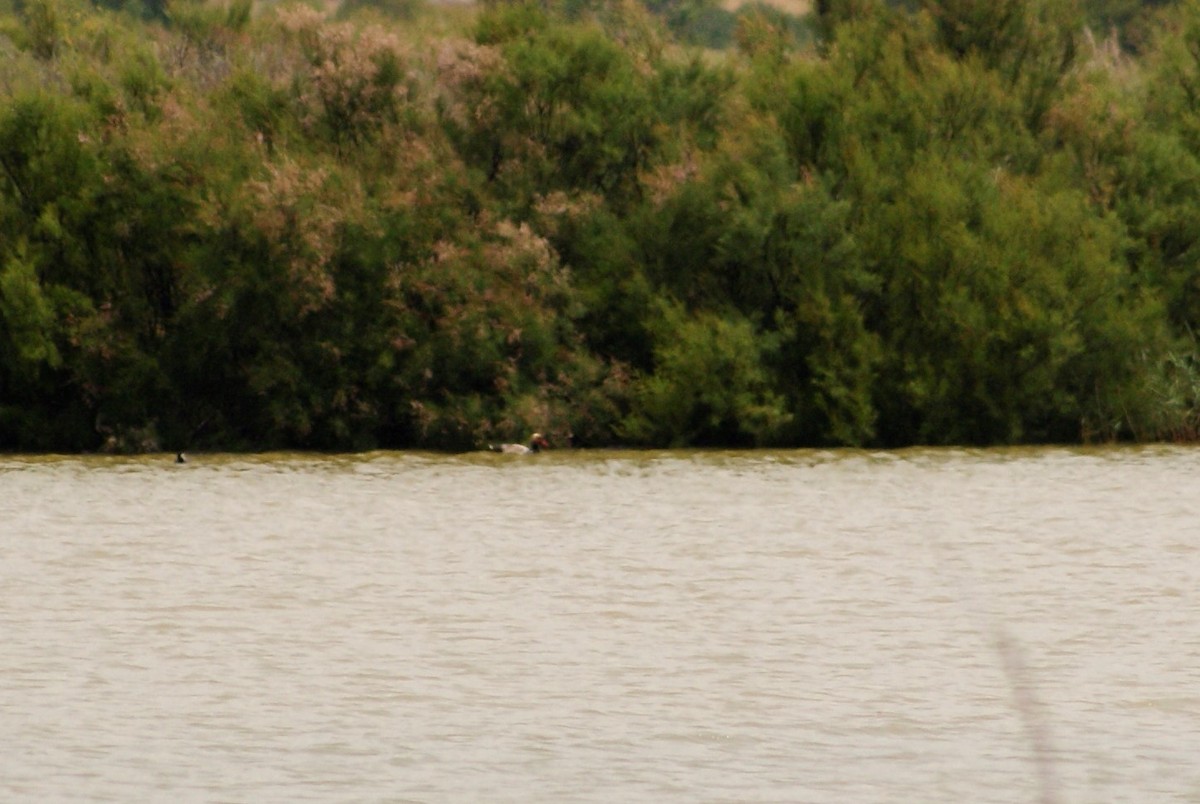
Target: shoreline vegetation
x=394 y=225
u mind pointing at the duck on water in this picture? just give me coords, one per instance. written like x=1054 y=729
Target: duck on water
x=537 y=443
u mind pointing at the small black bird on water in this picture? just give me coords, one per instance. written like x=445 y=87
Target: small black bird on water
x=180 y=456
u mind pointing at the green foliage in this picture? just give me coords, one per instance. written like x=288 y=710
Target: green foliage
x=948 y=222
x=143 y=82
x=392 y=9
x=1007 y=317
x=828 y=356
x=44 y=27
x=568 y=110
x=28 y=316
x=1131 y=21
x=830 y=16
x=350 y=85
x=709 y=385
x=42 y=158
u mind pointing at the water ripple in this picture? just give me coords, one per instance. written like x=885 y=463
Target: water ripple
x=751 y=626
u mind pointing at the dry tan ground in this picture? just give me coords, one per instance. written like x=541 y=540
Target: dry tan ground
x=796 y=7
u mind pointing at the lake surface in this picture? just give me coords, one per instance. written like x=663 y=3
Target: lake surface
x=932 y=626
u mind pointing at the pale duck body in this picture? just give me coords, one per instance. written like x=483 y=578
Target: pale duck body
x=536 y=444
